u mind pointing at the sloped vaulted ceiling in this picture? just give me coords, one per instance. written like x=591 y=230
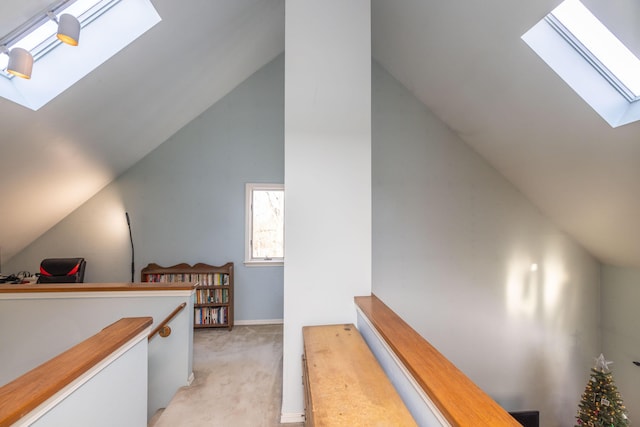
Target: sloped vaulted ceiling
x=467 y=63
x=464 y=60
x=56 y=158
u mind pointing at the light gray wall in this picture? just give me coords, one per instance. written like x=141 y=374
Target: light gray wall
x=453 y=243
x=186 y=200
x=621 y=332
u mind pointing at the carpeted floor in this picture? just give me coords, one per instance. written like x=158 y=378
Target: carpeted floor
x=238 y=380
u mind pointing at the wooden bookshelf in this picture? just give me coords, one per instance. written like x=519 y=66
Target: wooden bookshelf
x=213 y=298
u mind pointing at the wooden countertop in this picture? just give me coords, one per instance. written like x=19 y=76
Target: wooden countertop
x=94 y=287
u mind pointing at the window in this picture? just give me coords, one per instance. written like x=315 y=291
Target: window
x=264 y=243
x=590 y=59
x=598 y=46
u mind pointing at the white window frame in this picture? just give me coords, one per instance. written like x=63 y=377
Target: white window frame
x=248 y=258
x=563 y=54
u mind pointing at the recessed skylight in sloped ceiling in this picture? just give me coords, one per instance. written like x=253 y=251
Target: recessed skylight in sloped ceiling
x=591 y=60
x=108 y=26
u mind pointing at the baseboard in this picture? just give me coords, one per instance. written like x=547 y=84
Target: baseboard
x=292 y=417
x=259 y=322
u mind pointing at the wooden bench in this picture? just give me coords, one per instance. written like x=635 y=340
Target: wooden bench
x=344 y=384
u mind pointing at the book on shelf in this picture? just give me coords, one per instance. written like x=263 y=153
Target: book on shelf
x=207 y=279
x=207 y=296
x=213 y=295
x=210 y=315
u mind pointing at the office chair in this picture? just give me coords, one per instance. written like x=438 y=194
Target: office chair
x=62 y=270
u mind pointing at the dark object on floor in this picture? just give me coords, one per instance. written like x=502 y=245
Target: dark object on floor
x=62 y=270
x=527 y=418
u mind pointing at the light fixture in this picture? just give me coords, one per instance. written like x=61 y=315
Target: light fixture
x=20 y=62
x=39 y=35
x=68 y=28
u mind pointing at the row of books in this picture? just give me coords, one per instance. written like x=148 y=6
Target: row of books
x=204 y=279
x=210 y=315
x=204 y=296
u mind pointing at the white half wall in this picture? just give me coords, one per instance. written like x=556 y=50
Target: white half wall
x=453 y=247
x=327 y=172
x=112 y=393
x=35 y=327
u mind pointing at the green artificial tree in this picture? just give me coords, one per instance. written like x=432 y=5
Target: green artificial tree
x=601 y=404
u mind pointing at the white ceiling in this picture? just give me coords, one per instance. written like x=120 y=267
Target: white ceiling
x=467 y=63
x=464 y=60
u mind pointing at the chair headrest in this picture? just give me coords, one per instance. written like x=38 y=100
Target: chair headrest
x=60 y=266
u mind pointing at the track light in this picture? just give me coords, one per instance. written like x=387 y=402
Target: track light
x=38 y=35
x=68 y=28
x=20 y=62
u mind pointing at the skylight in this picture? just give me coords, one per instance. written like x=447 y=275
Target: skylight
x=593 y=40
x=598 y=66
x=57 y=66
x=42 y=38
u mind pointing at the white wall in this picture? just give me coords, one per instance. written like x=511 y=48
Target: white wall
x=186 y=200
x=36 y=327
x=105 y=396
x=453 y=243
x=621 y=332
x=327 y=172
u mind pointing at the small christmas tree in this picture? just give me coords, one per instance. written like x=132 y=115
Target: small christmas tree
x=601 y=404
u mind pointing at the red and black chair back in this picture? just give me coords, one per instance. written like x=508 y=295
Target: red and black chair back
x=62 y=270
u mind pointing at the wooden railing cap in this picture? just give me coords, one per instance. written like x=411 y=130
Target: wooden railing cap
x=27 y=392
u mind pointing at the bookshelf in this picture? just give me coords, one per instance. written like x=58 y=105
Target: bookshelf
x=213 y=298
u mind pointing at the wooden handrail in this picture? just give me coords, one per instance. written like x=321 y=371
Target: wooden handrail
x=25 y=393
x=163 y=327
x=458 y=398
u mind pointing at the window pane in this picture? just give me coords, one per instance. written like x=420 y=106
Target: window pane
x=268 y=224
x=600 y=42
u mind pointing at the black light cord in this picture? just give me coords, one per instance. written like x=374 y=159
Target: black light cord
x=636 y=363
x=133 y=268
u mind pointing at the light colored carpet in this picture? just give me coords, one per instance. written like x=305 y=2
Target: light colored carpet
x=238 y=380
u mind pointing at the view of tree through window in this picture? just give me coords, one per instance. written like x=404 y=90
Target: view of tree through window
x=267 y=224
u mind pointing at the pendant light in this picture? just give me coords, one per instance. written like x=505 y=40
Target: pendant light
x=20 y=61
x=69 y=29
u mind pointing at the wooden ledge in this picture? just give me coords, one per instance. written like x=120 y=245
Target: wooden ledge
x=345 y=385
x=95 y=287
x=459 y=399
x=24 y=394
